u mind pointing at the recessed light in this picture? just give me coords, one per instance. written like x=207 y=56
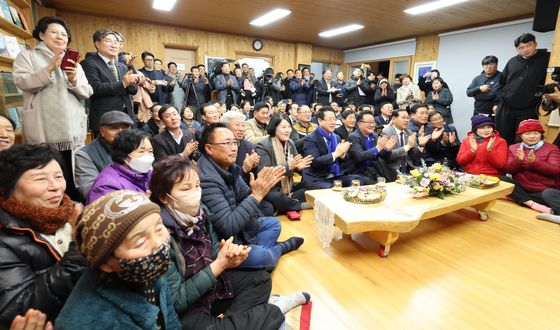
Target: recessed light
x=166 y=5
x=270 y=17
x=340 y=30
x=430 y=6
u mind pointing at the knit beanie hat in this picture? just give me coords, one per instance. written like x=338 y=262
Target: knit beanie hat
x=480 y=120
x=383 y=81
x=529 y=125
x=105 y=223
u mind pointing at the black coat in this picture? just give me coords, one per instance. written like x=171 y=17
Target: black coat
x=108 y=94
x=164 y=145
x=33 y=275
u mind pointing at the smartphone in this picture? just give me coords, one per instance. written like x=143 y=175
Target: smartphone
x=71 y=54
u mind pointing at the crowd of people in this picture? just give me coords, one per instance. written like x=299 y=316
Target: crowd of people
x=182 y=193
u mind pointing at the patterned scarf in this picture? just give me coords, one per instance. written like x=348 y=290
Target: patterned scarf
x=331 y=147
x=282 y=154
x=186 y=222
x=62 y=115
x=43 y=219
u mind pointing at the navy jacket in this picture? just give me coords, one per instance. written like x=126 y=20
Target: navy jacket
x=159 y=94
x=314 y=144
x=359 y=153
x=483 y=102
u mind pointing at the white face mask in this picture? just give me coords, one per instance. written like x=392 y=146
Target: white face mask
x=141 y=164
x=189 y=203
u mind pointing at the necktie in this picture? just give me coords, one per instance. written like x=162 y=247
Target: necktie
x=113 y=70
x=403 y=159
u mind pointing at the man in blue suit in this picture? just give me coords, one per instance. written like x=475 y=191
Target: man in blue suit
x=328 y=154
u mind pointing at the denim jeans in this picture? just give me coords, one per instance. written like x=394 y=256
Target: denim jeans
x=265 y=254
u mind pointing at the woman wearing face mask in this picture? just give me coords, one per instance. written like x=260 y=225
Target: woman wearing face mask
x=441 y=98
x=202 y=277
x=131 y=169
x=483 y=151
x=534 y=166
x=126 y=245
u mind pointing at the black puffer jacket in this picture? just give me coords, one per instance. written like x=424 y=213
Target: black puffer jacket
x=32 y=273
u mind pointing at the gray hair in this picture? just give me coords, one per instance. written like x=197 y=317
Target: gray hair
x=231 y=115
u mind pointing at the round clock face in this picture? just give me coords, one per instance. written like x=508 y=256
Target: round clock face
x=257 y=45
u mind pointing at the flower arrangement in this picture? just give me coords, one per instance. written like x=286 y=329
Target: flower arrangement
x=436 y=180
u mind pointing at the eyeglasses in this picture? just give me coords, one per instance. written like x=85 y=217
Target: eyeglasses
x=111 y=42
x=229 y=144
x=58 y=33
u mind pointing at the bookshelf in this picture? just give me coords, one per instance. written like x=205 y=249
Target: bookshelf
x=14 y=29
x=22 y=3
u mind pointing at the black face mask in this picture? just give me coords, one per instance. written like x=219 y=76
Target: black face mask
x=145 y=269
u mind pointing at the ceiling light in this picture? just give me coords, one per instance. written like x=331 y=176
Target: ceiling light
x=164 y=4
x=340 y=30
x=430 y=6
x=270 y=17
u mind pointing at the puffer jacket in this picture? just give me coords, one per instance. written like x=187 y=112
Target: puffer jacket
x=483 y=162
x=32 y=273
x=233 y=211
x=542 y=174
x=118 y=177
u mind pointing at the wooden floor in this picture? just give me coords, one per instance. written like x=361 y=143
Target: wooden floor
x=451 y=272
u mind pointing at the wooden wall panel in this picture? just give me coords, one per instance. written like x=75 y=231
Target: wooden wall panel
x=143 y=36
x=553 y=131
x=427 y=48
x=327 y=55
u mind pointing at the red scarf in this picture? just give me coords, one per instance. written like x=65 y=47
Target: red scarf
x=43 y=219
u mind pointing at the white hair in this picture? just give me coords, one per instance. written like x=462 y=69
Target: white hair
x=228 y=116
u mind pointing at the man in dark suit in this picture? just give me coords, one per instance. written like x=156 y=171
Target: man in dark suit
x=173 y=140
x=112 y=84
x=328 y=154
x=326 y=89
x=406 y=148
x=357 y=87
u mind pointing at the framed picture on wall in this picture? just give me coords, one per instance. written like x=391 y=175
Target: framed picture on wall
x=212 y=63
x=301 y=66
x=422 y=67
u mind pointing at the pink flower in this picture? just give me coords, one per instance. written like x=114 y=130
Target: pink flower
x=424 y=182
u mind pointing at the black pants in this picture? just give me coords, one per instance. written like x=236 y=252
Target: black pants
x=521 y=195
x=508 y=119
x=283 y=203
x=552 y=198
x=69 y=176
x=249 y=309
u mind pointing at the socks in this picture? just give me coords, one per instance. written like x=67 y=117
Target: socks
x=540 y=208
x=549 y=217
x=287 y=303
x=305 y=206
x=291 y=244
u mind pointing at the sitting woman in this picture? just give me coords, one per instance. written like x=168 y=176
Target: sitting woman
x=483 y=151
x=348 y=118
x=7 y=132
x=126 y=245
x=443 y=145
x=441 y=98
x=189 y=123
x=39 y=263
x=534 y=166
x=279 y=149
x=203 y=278
x=131 y=169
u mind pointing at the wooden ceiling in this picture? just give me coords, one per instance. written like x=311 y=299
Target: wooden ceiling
x=384 y=20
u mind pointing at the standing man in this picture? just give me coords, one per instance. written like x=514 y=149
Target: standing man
x=163 y=87
x=357 y=87
x=521 y=75
x=227 y=86
x=326 y=89
x=112 y=84
x=486 y=87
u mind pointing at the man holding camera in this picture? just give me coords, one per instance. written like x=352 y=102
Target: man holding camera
x=485 y=87
x=197 y=90
x=521 y=75
x=269 y=85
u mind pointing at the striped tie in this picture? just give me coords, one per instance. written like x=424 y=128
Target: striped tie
x=114 y=70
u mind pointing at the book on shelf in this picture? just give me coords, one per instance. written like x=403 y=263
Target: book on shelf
x=6 y=11
x=3 y=48
x=8 y=85
x=14 y=114
x=24 y=22
x=12 y=45
x=15 y=17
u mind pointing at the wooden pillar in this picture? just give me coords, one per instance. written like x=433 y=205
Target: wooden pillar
x=303 y=54
x=552 y=131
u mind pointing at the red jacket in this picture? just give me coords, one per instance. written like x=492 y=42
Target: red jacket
x=539 y=175
x=483 y=162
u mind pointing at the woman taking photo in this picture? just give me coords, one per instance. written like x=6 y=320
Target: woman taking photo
x=131 y=169
x=202 y=276
x=441 y=98
x=279 y=150
x=39 y=263
x=52 y=95
x=534 y=166
x=408 y=94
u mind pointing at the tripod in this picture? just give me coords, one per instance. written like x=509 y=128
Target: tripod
x=190 y=84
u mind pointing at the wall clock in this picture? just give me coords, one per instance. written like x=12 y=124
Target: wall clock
x=257 y=44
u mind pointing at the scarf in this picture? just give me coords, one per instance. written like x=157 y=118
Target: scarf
x=62 y=117
x=478 y=138
x=368 y=140
x=187 y=222
x=43 y=219
x=283 y=155
x=535 y=146
x=331 y=147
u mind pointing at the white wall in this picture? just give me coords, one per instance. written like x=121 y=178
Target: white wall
x=461 y=52
x=379 y=52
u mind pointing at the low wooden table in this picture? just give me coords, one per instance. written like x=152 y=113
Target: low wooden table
x=400 y=212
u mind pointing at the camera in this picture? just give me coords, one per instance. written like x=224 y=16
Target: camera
x=540 y=90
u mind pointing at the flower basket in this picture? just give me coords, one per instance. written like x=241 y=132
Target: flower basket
x=436 y=180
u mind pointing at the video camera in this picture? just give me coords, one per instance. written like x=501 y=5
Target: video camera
x=540 y=90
